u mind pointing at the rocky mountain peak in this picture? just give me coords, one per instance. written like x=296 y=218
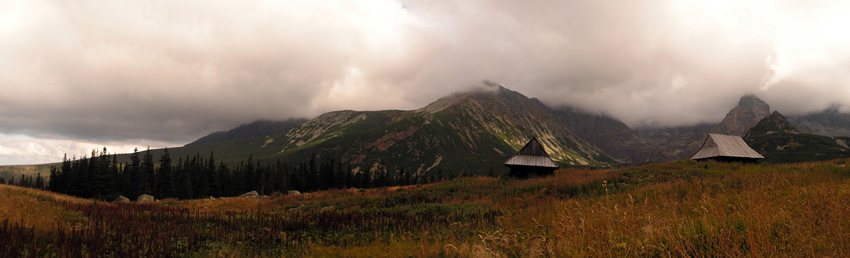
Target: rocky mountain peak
x=781 y=122
x=749 y=111
x=774 y=123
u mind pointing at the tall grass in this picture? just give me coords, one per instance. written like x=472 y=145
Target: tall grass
x=676 y=209
x=727 y=211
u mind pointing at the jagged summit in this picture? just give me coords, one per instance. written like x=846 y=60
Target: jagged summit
x=749 y=111
x=774 y=123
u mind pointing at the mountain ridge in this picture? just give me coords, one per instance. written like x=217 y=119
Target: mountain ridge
x=780 y=142
x=257 y=128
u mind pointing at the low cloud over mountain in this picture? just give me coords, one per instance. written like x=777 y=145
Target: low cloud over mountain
x=169 y=72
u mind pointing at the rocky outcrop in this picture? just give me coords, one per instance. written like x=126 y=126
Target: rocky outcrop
x=293 y=192
x=121 y=199
x=749 y=111
x=145 y=198
x=250 y=194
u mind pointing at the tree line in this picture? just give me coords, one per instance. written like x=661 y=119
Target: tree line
x=100 y=176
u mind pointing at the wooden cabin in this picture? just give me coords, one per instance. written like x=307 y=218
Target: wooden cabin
x=531 y=161
x=726 y=148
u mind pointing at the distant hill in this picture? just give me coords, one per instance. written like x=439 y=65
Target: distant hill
x=780 y=142
x=610 y=135
x=661 y=143
x=474 y=131
x=471 y=132
x=257 y=128
x=468 y=132
x=676 y=143
x=829 y=122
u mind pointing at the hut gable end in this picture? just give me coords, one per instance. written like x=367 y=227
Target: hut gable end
x=531 y=160
x=726 y=147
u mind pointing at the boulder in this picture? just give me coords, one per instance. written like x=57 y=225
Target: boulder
x=121 y=199
x=250 y=194
x=293 y=192
x=145 y=198
x=329 y=208
x=300 y=207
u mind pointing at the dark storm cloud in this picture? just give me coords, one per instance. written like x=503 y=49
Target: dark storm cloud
x=170 y=71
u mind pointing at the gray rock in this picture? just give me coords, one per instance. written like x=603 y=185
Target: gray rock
x=293 y=192
x=329 y=208
x=144 y=198
x=212 y=198
x=250 y=194
x=300 y=207
x=121 y=199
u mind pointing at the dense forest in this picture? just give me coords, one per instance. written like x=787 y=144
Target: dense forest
x=102 y=177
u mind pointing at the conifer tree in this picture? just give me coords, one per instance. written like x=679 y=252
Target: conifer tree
x=165 y=177
x=226 y=180
x=212 y=177
x=64 y=175
x=148 y=171
x=250 y=180
x=39 y=182
x=312 y=175
x=51 y=184
x=138 y=180
x=182 y=182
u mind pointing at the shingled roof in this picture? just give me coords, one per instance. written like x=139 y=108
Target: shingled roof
x=719 y=145
x=532 y=155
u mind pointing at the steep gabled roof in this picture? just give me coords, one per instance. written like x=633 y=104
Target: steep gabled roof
x=719 y=145
x=532 y=154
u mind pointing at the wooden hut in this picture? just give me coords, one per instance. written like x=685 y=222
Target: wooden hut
x=726 y=148
x=531 y=161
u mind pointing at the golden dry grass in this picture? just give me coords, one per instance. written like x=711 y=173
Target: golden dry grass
x=36 y=208
x=677 y=209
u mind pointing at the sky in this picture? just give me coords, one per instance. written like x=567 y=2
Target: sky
x=79 y=75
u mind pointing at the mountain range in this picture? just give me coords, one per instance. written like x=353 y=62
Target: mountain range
x=779 y=141
x=475 y=131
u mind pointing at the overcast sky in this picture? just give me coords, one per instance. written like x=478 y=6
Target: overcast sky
x=77 y=75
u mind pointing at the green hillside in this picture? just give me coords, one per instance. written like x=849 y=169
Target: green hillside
x=779 y=142
x=466 y=133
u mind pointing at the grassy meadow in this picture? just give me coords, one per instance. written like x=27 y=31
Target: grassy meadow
x=674 y=209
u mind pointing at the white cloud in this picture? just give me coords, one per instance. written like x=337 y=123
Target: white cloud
x=166 y=71
x=22 y=149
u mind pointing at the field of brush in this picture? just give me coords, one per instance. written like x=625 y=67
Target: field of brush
x=678 y=209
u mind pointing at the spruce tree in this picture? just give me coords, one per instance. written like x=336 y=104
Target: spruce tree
x=165 y=177
x=212 y=177
x=65 y=177
x=138 y=180
x=250 y=179
x=148 y=171
x=39 y=182
x=51 y=184
x=225 y=178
